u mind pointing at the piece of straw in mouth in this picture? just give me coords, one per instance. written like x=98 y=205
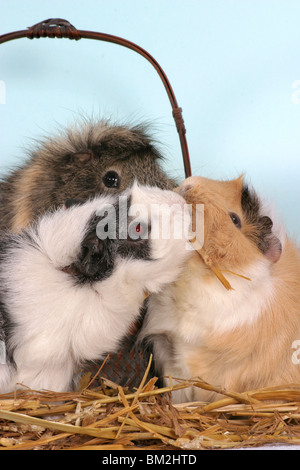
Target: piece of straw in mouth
x=209 y=264
x=218 y=273
x=203 y=255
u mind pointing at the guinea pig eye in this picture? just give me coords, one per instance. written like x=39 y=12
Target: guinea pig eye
x=235 y=219
x=111 y=179
x=137 y=231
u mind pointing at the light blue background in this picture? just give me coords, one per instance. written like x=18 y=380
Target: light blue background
x=232 y=65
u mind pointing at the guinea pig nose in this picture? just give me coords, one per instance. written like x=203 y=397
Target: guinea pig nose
x=91 y=246
x=91 y=249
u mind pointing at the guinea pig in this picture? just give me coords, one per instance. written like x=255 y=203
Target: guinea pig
x=239 y=334
x=73 y=283
x=88 y=159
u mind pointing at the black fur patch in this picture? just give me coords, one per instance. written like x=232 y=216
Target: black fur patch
x=262 y=225
x=6 y=327
x=7 y=243
x=138 y=249
x=127 y=247
x=97 y=256
x=73 y=202
x=250 y=204
x=122 y=141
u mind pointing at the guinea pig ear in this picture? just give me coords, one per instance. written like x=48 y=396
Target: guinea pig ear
x=274 y=249
x=270 y=245
x=83 y=157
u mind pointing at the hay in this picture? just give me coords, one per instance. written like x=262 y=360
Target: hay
x=110 y=417
x=217 y=272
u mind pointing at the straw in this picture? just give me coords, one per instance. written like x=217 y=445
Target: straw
x=115 y=418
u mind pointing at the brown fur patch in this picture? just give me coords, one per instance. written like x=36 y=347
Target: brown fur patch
x=22 y=210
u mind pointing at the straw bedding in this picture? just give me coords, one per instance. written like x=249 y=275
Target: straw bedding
x=110 y=417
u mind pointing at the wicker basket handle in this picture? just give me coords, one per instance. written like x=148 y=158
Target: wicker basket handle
x=60 y=28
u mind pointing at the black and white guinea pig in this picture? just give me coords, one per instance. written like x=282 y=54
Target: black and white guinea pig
x=69 y=295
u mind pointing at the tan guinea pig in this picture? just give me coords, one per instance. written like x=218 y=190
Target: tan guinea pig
x=240 y=339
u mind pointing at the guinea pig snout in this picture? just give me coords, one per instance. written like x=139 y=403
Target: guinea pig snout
x=96 y=257
x=90 y=257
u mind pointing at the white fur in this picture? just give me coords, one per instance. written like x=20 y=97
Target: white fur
x=221 y=310
x=58 y=323
x=179 y=319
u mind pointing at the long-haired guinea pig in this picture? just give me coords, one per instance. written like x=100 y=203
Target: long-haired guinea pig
x=238 y=336
x=88 y=159
x=73 y=283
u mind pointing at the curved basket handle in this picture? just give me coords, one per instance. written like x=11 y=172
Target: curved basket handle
x=60 y=28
